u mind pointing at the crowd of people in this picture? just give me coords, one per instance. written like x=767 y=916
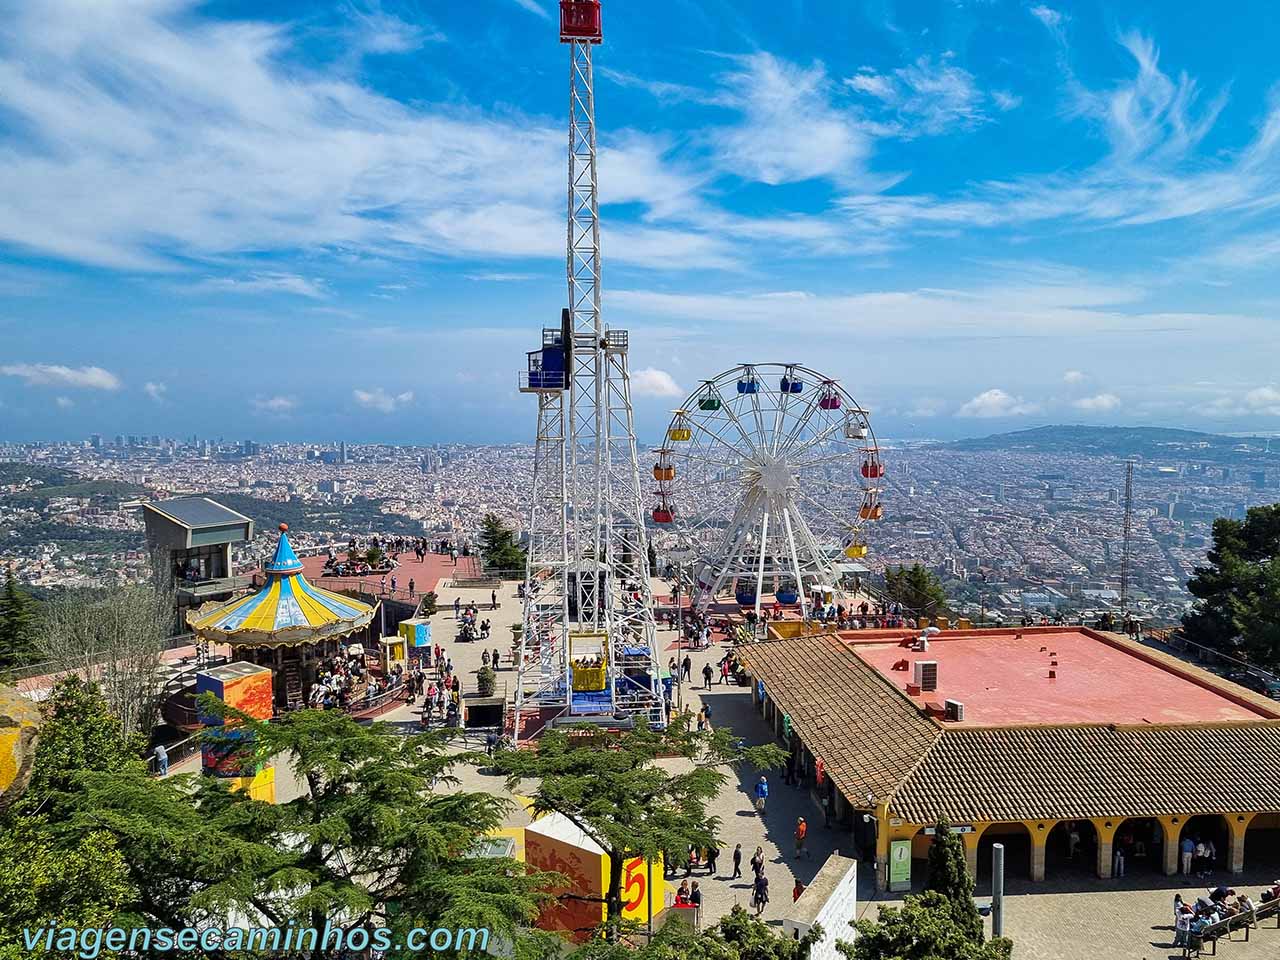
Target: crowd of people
x=1191 y=919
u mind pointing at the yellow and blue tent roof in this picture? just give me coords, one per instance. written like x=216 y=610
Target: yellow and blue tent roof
x=287 y=611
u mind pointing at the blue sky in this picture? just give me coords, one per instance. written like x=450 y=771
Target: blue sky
x=321 y=221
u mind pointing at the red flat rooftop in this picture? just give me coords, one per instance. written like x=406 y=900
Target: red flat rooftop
x=1003 y=679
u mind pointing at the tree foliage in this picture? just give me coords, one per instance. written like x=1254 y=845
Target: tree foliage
x=738 y=936
x=17 y=623
x=917 y=589
x=1238 y=590
x=941 y=924
x=924 y=928
x=609 y=784
x=498 y=546
x=381 y=835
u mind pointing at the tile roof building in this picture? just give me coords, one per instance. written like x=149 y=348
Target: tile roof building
x=1029 y=735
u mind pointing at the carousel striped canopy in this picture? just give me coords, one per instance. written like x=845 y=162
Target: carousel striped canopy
x=287 y=611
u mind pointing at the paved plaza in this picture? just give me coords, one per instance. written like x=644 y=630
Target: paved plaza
x=1061 y=918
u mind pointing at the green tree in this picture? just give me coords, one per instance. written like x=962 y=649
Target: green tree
x=949 y=876
x=498 y=547
x=917 y=589
x=373 y=556
x=1238 y=590
x=924 y=928
x=17 y=623
x=738 y=936
x=609 y=784
x=381 y=835
x=55 y=875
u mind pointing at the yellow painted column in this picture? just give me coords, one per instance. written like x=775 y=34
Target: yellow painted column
x=1039 y=839
x=971 y=841
x=1237 y=823
x=1106 y=835
x=1172 y=827
x=882 y=846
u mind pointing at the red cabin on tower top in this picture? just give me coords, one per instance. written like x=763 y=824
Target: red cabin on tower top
x=580 y=20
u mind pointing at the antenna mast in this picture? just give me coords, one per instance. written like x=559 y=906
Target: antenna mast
x=1126 y=553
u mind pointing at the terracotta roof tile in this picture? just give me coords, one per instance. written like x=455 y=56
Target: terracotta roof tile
x=1017 y=773
x=868 y=735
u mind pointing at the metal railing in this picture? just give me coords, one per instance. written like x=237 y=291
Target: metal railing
x=177 y=753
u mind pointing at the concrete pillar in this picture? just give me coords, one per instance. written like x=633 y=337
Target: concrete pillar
x=1172 y=827
x=1039 y=840
x=1237 y=825
x=1106 y=835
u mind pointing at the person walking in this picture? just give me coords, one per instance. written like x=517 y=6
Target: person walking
x=162 y=760
x=757 y=862
x=706 y=676
x=760 y=893
x=496 y=659
x=761 y=793
x=737 y=862
x=1117 y=863
x=457 y=608
x=686 y=668
x=493 y=599
x=713 y=854
x=411 y=588
x=802 y=834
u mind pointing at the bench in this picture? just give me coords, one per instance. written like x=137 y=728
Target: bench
x=1241 y=921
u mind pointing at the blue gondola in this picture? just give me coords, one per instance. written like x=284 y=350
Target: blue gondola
x=791 y=385
x=748 y=386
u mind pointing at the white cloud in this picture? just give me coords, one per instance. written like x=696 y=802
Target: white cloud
x=790 y=132
x=378 y=399
x=249 y=151
x=1259 y=401
x=1048 y=16
x=54 y=374
x=926 y=407
x=996 y=403
x=1075 y=376
x=266 y=283
x=1005 y=100
x=156 y=391
x=1100 y=403
x=279 y=405
x=533 y=7
x=926 y=96
x=652 y=382
x=64 y=403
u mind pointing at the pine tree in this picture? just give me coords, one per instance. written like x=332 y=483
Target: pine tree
x=17 y=623
x=498 y=547
x=949 y=876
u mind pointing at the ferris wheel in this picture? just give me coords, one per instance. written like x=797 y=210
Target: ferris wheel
x=766 y=478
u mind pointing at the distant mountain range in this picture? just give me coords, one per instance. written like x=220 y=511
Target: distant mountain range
x=1151 y=443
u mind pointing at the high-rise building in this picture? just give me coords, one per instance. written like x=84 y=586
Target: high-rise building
x=95 y=441
x=342 y=452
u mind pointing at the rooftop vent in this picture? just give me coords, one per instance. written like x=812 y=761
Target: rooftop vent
x=926 y=674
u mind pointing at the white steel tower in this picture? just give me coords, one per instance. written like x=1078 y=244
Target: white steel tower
x=588 y=645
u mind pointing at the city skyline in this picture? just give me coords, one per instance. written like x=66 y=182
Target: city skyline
x=977 y=216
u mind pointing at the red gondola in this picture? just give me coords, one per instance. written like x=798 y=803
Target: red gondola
x=830 y=399
x=662 y=515
x=580 y=20
x=872 y=469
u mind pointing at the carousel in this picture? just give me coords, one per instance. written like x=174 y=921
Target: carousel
x=289 y=625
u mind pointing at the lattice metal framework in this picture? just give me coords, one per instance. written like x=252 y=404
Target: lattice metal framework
x=588 y=572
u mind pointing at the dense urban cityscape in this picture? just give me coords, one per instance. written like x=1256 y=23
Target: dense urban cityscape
x=1012 y=525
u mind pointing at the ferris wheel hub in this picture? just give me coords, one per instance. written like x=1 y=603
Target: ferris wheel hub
x=772 y=475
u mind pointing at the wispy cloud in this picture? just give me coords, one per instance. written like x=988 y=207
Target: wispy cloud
x=533 y=7
x=58 y=375
x=925 y=97
x=1075 y=376
x=266 y=283
x=156 y=391
x=652 y=382
x=1099 y=403
x=63 y=403
x=378 y=399
x=996 y=403
x=790 y=132
x=278 y=405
